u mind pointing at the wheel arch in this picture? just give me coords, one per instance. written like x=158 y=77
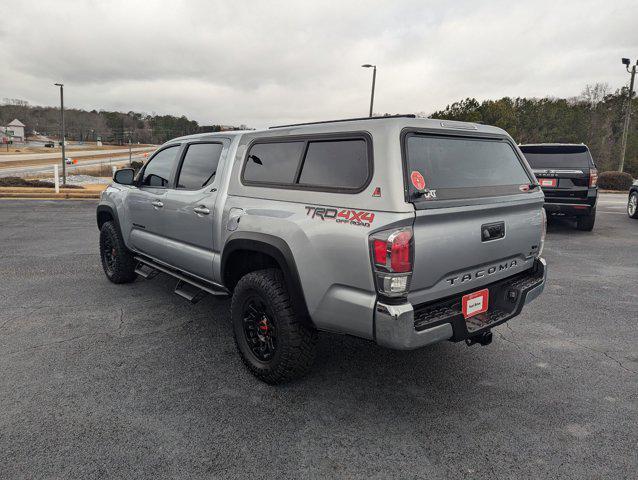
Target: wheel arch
x=105 y=213
x=247 y=251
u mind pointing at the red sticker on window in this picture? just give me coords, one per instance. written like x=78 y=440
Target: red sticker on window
x=417 y=180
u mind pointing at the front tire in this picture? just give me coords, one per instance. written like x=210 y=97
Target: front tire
x=117 y=260
x=632 y=205
x=586 y=223
x=273 y=344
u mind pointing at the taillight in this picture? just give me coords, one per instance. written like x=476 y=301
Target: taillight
x=400 y=260
x=593 y=177
x=392 y=253
x=380 y=252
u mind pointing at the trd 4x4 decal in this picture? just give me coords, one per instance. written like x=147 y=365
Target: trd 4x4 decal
x=351 y=217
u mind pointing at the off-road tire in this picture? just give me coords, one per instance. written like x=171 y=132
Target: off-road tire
x=586 y=223
x=296 y=342
x=634 y=196
x=122 y=267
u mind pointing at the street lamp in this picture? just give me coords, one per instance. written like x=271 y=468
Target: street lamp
x=374 y=77
x=623 y=145
x=61 y=85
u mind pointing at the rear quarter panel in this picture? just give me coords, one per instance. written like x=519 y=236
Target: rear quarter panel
x=332 y=256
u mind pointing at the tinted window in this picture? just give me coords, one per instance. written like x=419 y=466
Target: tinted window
x=273 y=162
x=199 y=166
x=557 y=156
x=464 y=167
x=158 y=170
x=341 y=163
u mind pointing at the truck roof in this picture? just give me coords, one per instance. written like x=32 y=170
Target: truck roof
x=367 y=123
x=552 y=145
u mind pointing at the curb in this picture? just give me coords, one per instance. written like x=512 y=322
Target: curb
x=43 y=195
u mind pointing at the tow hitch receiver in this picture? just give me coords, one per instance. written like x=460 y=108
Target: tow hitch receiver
x=484 y=338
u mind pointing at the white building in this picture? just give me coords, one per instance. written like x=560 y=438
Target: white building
x=14 y=131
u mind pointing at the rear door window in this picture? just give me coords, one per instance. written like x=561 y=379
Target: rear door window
x=199 y=166
x=342 y=164
x=557 y=156
x=462 y=167
x=158 y=170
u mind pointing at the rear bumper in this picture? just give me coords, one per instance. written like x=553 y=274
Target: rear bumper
x=567 y=203
x=568 y=209
x=406 y=327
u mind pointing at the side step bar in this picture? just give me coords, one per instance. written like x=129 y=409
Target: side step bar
x=188 y=292
x=147 y=274
x=184 y=281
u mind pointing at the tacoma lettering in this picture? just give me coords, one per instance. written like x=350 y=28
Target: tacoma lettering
x=466 y=277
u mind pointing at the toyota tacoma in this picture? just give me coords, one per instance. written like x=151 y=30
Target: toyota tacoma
x=399 y=230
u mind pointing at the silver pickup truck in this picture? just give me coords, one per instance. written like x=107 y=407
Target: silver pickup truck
x=400 y=230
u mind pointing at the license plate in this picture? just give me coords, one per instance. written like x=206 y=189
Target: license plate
x=548 y=182
x=475 y=303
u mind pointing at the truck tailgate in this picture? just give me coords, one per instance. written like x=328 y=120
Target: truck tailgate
x=454 y=254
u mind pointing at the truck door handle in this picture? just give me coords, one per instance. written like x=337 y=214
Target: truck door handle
x=492 y=231
x=157 y=204
x=201 y=210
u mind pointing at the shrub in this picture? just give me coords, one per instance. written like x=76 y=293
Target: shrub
x=21 y=182
x=136 y=165
x=614 y=180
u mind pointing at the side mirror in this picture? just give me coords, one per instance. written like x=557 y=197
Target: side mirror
x=125 y=176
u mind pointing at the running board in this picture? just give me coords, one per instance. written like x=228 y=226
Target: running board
x=201 y=285
x=188 y=292
x=146 y=274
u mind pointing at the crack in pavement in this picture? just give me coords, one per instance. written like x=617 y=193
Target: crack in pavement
x=531 y=354
x=121 y=320
x=606 y=354
x=108 y=334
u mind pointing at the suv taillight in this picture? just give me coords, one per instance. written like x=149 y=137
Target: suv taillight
x=392 y=256
x=593 y=177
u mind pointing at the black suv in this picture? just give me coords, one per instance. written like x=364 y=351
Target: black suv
x=567 y=174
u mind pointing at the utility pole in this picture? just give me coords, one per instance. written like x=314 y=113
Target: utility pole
x=625 y=131
x=130 y=162
x=61 y=85
x=374 y=78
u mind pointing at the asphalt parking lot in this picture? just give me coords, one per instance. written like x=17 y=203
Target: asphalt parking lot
x=130 y=381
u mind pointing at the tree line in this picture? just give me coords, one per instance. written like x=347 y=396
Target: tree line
x=595 y=118
x=110 y=127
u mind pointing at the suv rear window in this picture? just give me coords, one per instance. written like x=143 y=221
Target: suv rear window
x=335 y=165
x=462 y=167
x=557 y=156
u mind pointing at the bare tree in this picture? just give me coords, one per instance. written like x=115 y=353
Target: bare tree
x=594 y=94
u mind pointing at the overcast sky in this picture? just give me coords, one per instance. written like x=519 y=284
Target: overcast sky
x=261 y=63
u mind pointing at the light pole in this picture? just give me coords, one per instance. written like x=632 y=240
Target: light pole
x=61 y=85
x=623 y=145
x=374 y=78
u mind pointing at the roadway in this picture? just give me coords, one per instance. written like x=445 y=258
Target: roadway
x=34 y=170
x=55 y=155
x=99 y=380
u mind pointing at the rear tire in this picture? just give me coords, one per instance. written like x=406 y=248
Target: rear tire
x=586 y=223
x=273 y=344
x=117 y=260
x=632 y=205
